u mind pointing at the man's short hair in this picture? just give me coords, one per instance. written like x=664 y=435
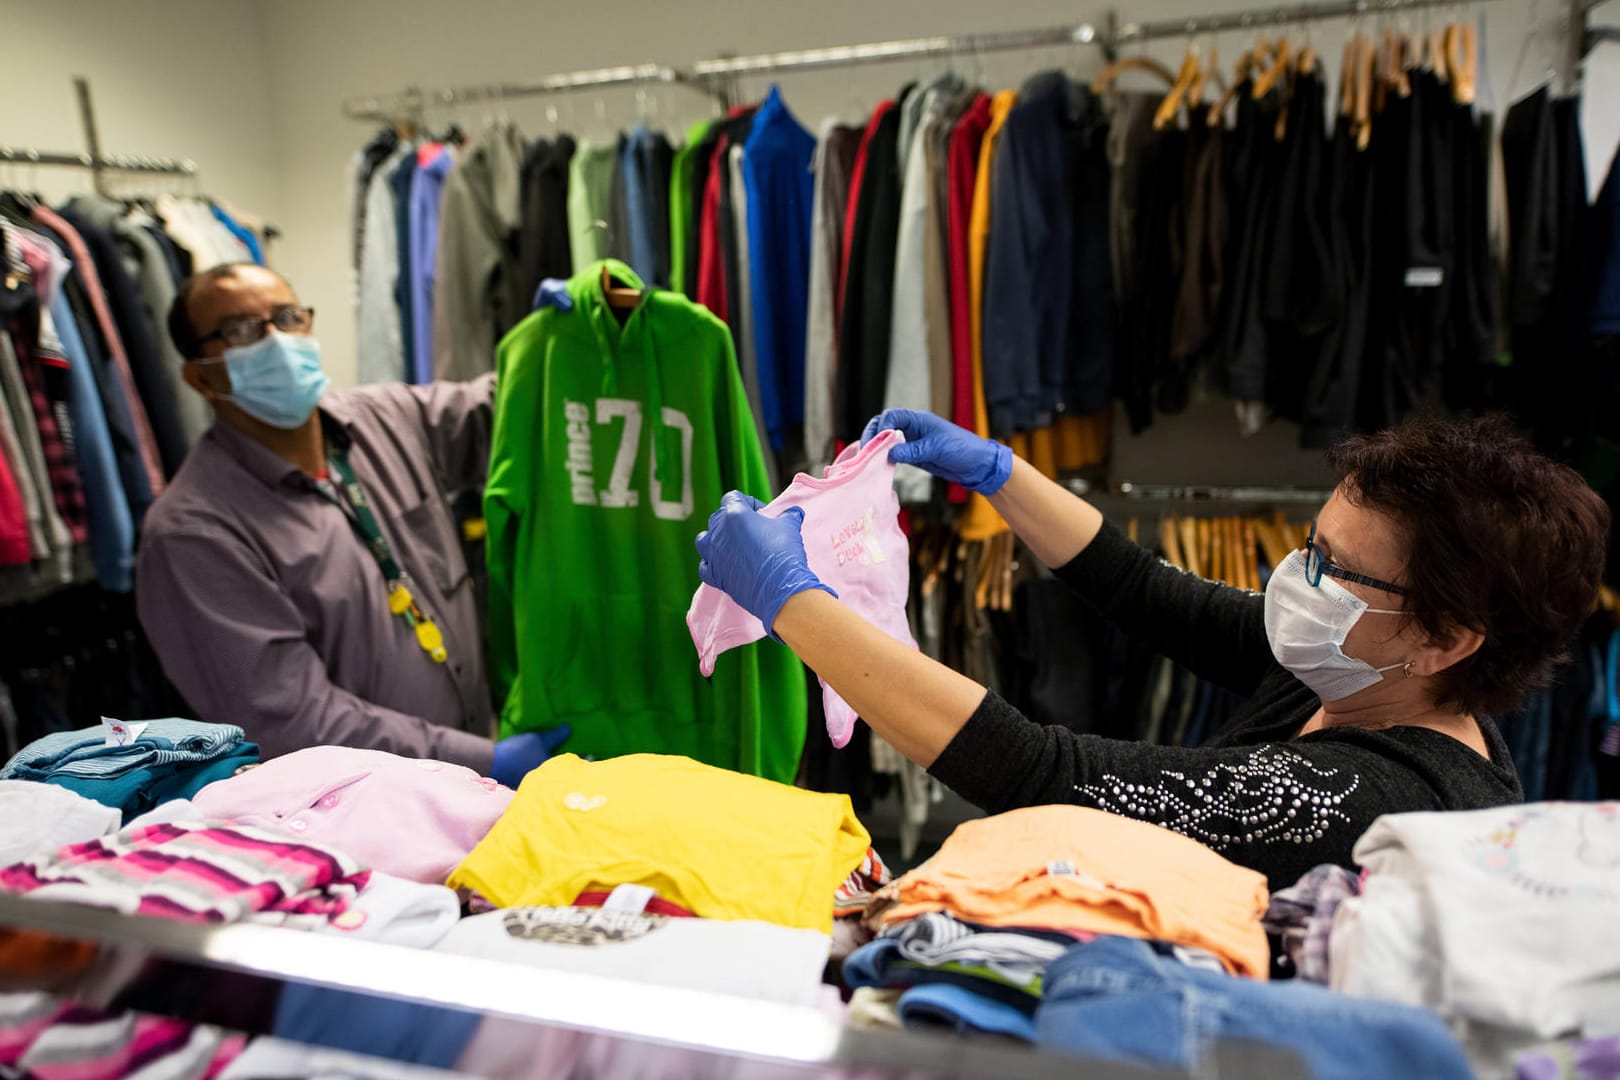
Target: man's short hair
x=182 y=331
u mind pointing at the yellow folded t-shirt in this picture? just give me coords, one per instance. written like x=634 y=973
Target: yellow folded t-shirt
x=719 y=843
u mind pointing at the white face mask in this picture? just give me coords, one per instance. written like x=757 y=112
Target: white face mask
x=1307 y=624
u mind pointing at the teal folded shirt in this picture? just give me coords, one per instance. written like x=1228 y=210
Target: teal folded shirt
x=146 y=787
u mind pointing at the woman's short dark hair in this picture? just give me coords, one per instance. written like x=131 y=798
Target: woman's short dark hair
x=1499 y=538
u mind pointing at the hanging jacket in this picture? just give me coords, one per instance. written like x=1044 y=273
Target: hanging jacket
x=590 y=194
x=543 y=243
x=682 y=220
x=477 y=281
x=776 y=172
x=863 y=338
x=611 y=446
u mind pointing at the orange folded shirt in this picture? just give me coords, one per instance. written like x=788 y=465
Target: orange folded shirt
x=1072 y=868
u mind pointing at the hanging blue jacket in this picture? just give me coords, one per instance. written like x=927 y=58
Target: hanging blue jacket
x=781 y=188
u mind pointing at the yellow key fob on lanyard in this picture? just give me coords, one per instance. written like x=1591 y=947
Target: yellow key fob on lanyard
x=399 y=599
x=431 y=640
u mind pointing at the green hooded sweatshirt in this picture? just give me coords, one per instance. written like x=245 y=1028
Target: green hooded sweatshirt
x=593 y=505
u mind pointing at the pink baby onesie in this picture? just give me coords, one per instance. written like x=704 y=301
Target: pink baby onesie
x=853 y=539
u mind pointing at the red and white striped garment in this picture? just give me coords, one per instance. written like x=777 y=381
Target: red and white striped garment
x=194 y=871
x=48 y=1039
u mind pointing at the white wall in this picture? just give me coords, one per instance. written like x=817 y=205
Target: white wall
x=253 y=90
x=180 y=78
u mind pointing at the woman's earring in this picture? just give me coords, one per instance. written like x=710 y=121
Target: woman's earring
x=1407 y=667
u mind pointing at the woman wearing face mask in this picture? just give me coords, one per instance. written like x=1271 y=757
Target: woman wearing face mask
x=1442 y=581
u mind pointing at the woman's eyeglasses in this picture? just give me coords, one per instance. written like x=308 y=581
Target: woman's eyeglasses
x=1316 y=565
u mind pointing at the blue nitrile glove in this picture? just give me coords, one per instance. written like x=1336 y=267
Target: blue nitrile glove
x=553 y=292
x=757 y=561
x=518 y=755
x=948 y=451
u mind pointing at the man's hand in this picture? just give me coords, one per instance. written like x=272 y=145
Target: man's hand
x=518 y=755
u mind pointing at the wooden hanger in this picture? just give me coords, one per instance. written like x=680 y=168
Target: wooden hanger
x=1272 y=542
x=1106 y=78
x=1462 y=57
x=1436 y=58
x=1170 y=542
x=1279 y=67
x=1179 y=93
x=1251 y=555
x=1608 y=600
x=1307 y=60
x=1347 y=77
x=1211 y=69
x=1189 y=546
x=618 y=296
x=1240 y=71
x=1234 y=546
x=1365 y=77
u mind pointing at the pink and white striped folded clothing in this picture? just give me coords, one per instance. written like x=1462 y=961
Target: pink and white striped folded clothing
x=853 y=540
x=195 y=872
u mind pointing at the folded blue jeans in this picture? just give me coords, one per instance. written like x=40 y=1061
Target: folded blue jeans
x=1130 y=1001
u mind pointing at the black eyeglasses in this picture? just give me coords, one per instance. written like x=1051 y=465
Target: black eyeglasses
x=246 y=329
x=1316 y=565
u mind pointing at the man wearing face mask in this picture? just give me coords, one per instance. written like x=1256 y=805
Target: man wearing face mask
x=1440 y=584
x=301 y=576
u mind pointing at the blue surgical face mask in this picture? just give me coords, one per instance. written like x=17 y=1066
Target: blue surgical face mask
x=277 y=379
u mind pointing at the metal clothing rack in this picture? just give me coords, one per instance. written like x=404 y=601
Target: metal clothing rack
x=111 y=162
x=1260 y=18
x=97 y=162
x=410 y=104
x=1584 y=37
x=903 y=49
x=1108 y=37
x=716 y=77
x=1249 y=493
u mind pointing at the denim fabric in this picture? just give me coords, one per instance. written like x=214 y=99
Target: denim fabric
x=880 y=965
x=960 y=1010
x=84 y=753
x=1126 y=1000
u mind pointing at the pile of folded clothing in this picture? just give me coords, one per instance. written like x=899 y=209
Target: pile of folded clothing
x=135 y=767
x=1505 y=922
x=1095 y=935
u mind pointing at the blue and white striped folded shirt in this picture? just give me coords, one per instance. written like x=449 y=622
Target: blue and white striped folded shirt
x=86 y=754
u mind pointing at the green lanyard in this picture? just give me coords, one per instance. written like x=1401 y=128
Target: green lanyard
x=348 y=496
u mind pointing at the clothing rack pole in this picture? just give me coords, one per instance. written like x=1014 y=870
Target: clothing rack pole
x=1258 y=18
x=901 y=49
x=92 y=137
x=109 y=162
x=1200 y=493
x=1584 y=37
x=411 y=102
